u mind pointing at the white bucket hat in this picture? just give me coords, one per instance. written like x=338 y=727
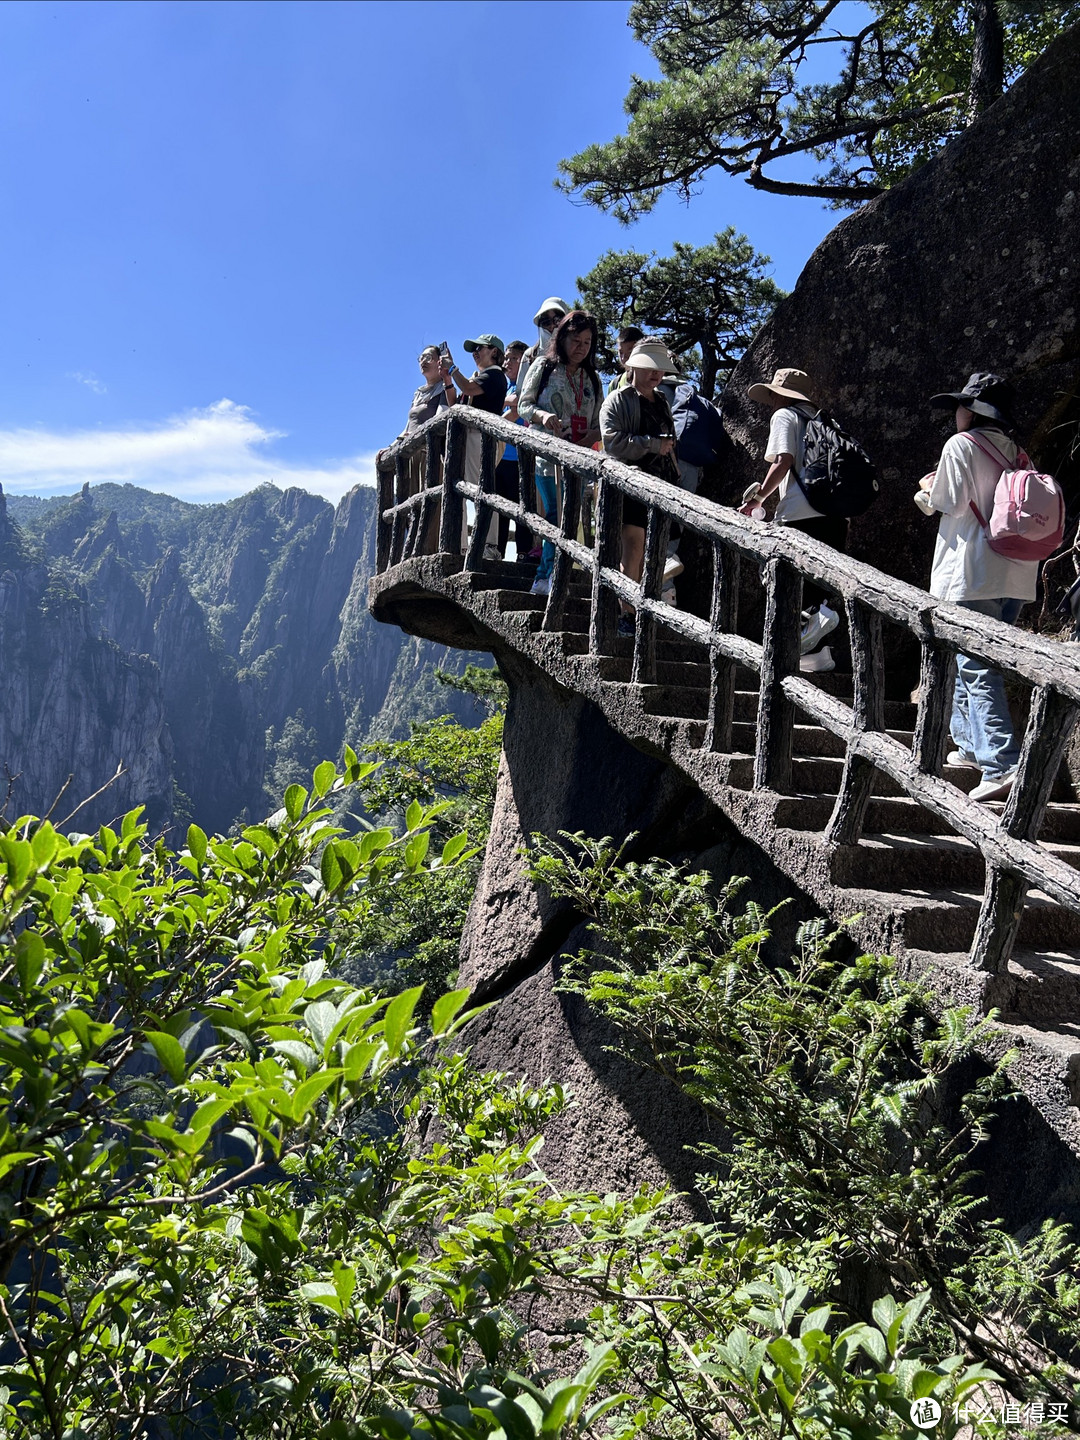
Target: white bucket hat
x=552 y=303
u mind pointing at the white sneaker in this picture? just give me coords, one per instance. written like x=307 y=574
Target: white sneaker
x=491 y=552
x=961 y=757
x=541 y=585
x=667 y=595
x=818 y=663
x=993 y=789
x=822 y=622
x=673 y=567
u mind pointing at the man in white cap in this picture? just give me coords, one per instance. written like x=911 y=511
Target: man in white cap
x=788 y=399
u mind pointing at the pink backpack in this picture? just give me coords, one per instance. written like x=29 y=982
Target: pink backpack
x=1028 y=520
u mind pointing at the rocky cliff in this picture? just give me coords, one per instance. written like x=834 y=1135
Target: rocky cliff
x=970 y=264
x=218 y=651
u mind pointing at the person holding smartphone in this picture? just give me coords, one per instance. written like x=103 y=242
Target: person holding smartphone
x=484 y=390
x=561 y=395
x=436 y=392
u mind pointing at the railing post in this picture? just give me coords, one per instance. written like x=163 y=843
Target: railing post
x=723 y=615
x=604 y=610
x=563 y=568
x=1049 y=727
x=935 y=705
x=779 y=658
x=868 y=711
x=453 y=470
x=424 y=541
x=482 y=520
x=526 y=482
x=652 y=580
x=398 y=534
x=384 y=527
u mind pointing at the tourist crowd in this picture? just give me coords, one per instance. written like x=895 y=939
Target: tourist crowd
x=652 y=417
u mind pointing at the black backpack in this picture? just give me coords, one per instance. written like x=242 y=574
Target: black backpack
x=837 y=477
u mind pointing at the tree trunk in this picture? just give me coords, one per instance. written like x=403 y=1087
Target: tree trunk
x=710 y=365
x=987 y=57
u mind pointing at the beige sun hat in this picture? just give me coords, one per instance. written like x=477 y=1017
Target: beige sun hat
x=650 y=355
x=786 y=385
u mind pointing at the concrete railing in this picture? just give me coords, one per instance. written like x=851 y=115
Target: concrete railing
x=422 y=498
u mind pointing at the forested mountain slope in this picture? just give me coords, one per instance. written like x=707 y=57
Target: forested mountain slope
x=219 y=651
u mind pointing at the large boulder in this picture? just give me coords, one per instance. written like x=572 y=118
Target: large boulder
x=970 y=264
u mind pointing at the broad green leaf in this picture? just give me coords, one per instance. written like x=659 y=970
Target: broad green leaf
x=296 y=1050
x=17 y=856
x=453 y=848
x=318 y=1292
x=196 y=843
x=170 y=1054
x=16 y=1157
x=601 y=1360
x=30 y=957
x=330 y=867
x=446 y=1009
x=44 y=843
x=320 y=1018
x=210 y=1112
x=399 y=1014
x=295 y=799
x=565 y=1404
x=306 y=1094
x=324 y=776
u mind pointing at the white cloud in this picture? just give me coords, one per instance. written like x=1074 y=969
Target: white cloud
x=90 y=380
x=209 y=454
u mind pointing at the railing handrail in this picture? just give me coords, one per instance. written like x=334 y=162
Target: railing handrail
x=1028 y=656
x=1014 y=860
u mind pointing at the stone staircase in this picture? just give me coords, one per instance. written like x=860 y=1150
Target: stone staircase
x=911 y=887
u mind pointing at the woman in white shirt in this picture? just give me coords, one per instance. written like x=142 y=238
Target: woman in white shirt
x=967 y=572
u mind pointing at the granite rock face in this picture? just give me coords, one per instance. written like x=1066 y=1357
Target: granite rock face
x=73 y=704
x=970 y=264
x=219 y=651
x=565 y=769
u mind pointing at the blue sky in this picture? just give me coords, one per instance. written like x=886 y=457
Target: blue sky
x=226 y=230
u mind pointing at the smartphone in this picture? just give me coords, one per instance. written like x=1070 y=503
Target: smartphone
x=444 y=351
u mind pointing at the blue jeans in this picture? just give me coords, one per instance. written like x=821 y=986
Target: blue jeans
x=981 y=724
x=549 y=505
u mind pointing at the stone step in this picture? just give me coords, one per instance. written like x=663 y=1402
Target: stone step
x=576 y=642
x=899 y=714
x=937 y=920
x=821 y=775
x=683 y=674
x=808 y=740
x=903 y=816
x=810 y=776
x=1041 y=986
x=1037 y=987
x=906 y=861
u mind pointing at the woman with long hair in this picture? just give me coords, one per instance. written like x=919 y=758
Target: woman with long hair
x=562 y=395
